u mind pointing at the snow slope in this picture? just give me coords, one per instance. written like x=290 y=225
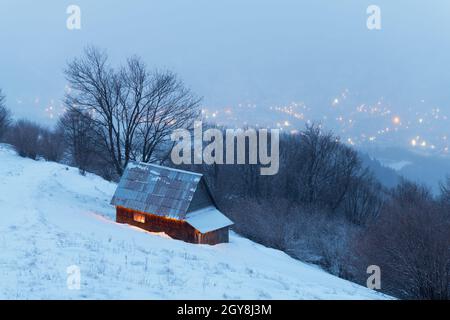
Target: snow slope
x=52 y=218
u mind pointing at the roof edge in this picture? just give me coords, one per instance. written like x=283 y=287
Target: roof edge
x=137 y=163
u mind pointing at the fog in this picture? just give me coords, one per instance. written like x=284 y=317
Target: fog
x=236 y=51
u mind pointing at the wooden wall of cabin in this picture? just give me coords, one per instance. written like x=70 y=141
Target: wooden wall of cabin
x=176 y=229
x=215 y=237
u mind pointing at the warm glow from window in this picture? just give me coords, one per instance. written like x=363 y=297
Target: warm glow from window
x=139 y=217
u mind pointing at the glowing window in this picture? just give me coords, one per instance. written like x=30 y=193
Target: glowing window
x=139 y=217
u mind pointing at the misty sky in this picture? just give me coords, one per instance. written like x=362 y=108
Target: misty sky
x=237 y=51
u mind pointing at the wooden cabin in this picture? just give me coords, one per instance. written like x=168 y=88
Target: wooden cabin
x=176 y=202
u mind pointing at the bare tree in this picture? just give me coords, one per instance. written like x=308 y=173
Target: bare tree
x=95 y=89
x=5 y=116
x=410 y=242
x=51 y=144
x=324 y=168
x=317 y=147
x=79 y=134
x=364 y=199
x=167 y=106
x=134 y=110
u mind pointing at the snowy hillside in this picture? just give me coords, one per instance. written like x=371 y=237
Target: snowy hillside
x=51 y=218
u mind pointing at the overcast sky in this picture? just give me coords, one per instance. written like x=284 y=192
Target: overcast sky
x=233 y=51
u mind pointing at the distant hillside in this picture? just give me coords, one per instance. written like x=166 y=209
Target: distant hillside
x=421 y=168
x=388 y=177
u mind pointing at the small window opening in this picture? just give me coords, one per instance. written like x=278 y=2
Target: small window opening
x=138 y=217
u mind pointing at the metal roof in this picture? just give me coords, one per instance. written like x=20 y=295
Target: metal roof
x=157 y=190
x=208 y=219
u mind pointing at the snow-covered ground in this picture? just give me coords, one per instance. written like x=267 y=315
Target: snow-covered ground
x=52 y=218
